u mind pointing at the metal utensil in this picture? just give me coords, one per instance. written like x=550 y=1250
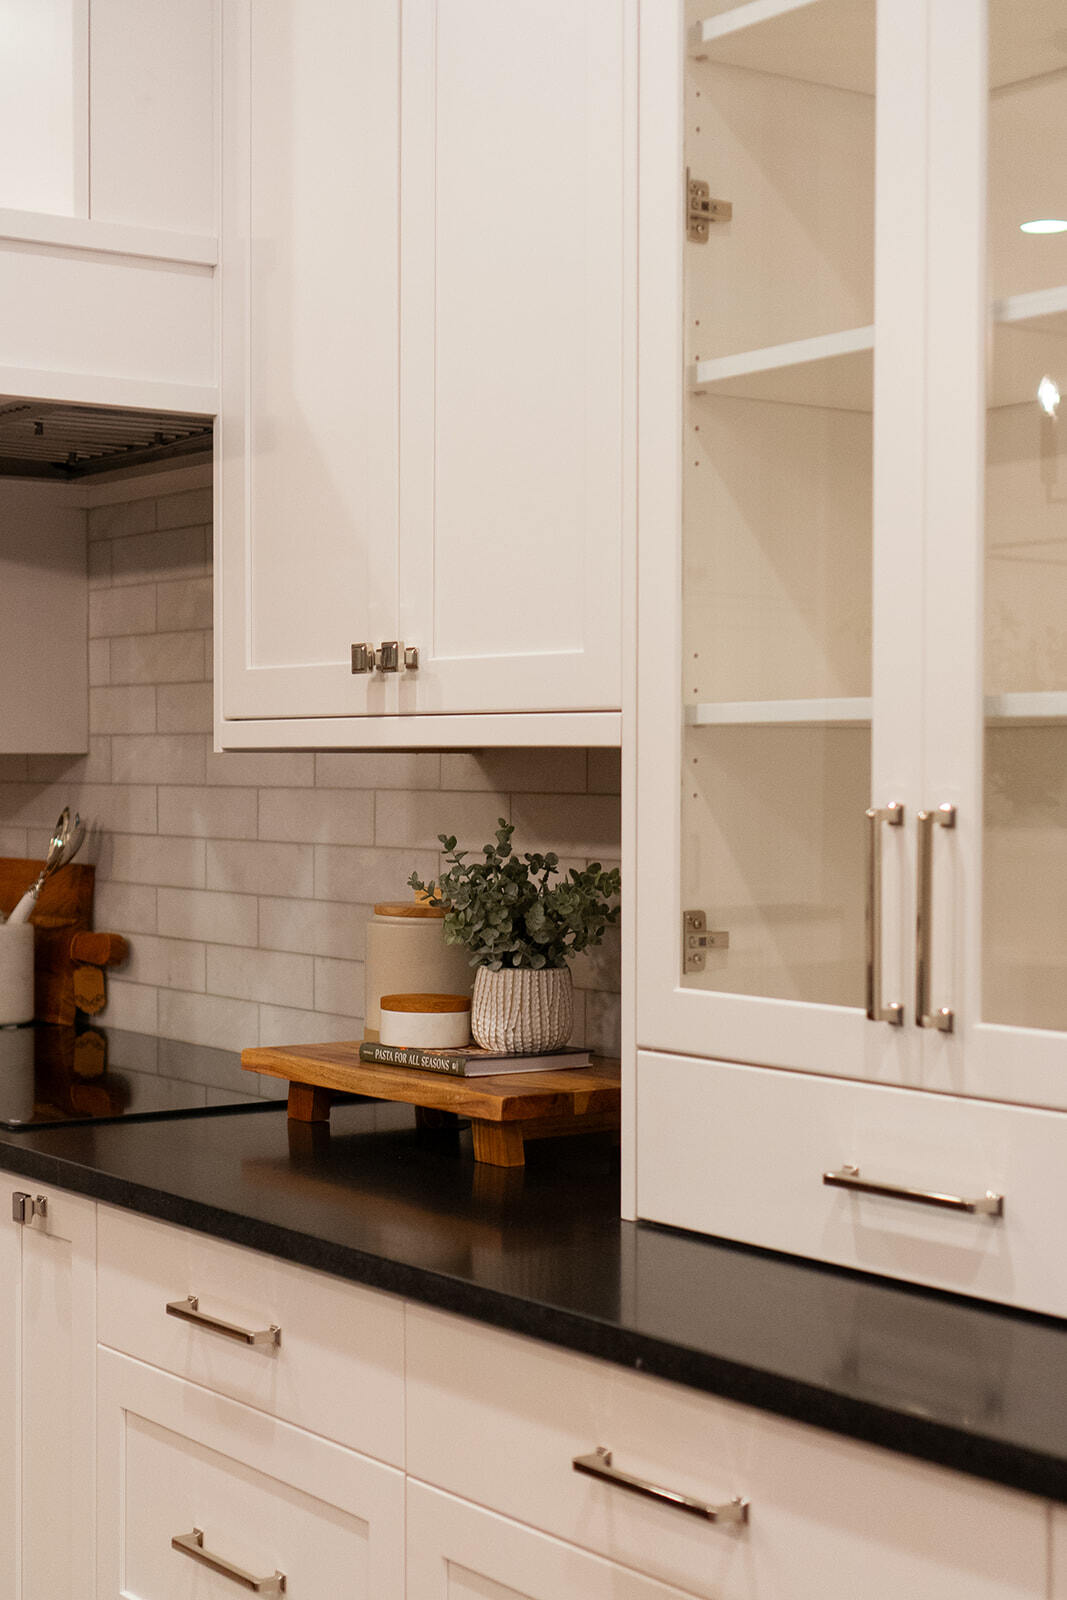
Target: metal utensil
x=62 y=847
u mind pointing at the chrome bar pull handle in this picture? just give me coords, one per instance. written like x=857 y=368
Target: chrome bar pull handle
x=363 y=658
x=598 y=1465
x=192 y=1544
x=943 y=1019
x=848 y=1177
x=24 y=1207
x=188 y=1310
x=878 y=1010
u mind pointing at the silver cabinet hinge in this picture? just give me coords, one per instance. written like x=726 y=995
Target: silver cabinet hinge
x=697 y=941
x=701 y=210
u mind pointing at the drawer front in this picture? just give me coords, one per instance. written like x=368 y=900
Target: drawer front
x=740 y=1152
x=337 y=1369
x=498 y=1419
x=460 y=1552
x=266 y=1498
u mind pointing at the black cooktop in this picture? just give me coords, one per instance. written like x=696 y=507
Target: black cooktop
x=51 y=1075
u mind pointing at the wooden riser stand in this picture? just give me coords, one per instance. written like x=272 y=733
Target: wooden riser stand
x=504 y=1112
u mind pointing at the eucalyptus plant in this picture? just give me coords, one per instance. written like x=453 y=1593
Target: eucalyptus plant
x=509 y=913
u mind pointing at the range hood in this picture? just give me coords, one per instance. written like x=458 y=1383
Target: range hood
x=47 y=439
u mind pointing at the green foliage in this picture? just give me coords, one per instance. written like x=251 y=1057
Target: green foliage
x=509 y=913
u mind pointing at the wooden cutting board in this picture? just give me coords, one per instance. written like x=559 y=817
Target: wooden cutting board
x=64 y=907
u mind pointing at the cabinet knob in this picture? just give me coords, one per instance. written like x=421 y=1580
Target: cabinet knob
x=395 y=656
x=363 y=658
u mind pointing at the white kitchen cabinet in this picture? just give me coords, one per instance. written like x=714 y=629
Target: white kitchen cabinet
x=458 y=1551
x=426 y=276
x=188 y=1479
x=47 y=1394
x=44 y=603
x=851 y=690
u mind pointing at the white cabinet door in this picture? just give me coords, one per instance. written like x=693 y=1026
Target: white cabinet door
x=254 y=1496
x=456 y=1551
x=47 y=1407
x=306 y=533
x=514 y=356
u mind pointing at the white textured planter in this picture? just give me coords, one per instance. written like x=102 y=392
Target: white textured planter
x=521 y=1010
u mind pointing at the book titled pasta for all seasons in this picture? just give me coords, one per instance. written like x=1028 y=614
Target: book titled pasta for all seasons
x=469 y=1061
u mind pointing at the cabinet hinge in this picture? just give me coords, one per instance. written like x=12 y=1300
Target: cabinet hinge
x=701 y=210
x=697 y=941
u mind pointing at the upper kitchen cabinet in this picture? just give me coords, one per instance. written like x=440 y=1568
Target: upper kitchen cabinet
x=853 y=655
x=107 y=202
x=427 y=285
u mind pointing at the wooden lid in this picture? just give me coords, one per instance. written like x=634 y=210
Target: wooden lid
x=409 y=908
x=425 y=1002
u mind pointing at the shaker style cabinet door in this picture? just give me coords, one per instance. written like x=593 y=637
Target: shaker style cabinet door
x=514 y=353
x=47 y=1393
x=307 y=441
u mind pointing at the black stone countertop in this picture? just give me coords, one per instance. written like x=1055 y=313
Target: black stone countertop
x=541 y=1251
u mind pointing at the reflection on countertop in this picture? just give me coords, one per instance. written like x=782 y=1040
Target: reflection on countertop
x=51 y=1075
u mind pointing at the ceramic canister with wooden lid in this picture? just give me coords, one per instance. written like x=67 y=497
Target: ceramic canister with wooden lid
x=407 y=954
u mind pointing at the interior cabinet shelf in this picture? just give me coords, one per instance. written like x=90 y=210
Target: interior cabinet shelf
x=854 y=711
x=832 y=369
x=829 y=42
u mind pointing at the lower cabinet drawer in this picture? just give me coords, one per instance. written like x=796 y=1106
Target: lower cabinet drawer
x=498 y=1419
x=741 y=1152
x=252 y=1496
x=337 y=1368
x=460 y=1552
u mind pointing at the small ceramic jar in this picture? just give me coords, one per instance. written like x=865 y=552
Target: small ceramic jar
x=426 y=1021
x=407 y=954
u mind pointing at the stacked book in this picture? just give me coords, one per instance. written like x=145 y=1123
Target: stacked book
x=469 y=1061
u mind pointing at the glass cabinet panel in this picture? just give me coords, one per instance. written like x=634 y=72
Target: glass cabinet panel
x=1025 y=841
x=779 y=339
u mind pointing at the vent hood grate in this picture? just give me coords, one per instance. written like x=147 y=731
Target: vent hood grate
x=42 y=439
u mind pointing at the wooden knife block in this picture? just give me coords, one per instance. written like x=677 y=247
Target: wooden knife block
x=64 y=907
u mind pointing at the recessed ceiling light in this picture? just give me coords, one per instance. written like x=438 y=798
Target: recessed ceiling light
x=1045 y=225
x=1048 y=396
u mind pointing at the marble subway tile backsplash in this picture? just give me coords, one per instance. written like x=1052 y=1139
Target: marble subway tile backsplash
x=245 y=881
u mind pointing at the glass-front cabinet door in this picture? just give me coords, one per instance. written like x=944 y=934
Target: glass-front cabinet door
x=783 y=650
x=1001 y=959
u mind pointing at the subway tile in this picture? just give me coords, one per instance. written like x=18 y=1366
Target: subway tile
x=184 y=708
x=317 y=927
x=184 y=603
x=113 y=522
x=99 y=665
x=158 y=658
x=208 y=813
x=318 y=817
x=605 y=771
x=205 y=914
x=115 y=612
x=208 y=1019
x=13 y=842
x=131 y=1005
x=366 y=876
x=278 y=977
x=338 y=986
x=126 y=908
x=282 y=1025
x=601 y=966
x=587 y=825
x=278 y=869
x=166 y=963
x=116 y=808
x=169 y=863
x=129 y=708
x=416 y=818
x=185 y=510
x=95 y=767
x=534 y=771
x=603 y=1023
x=99 y=564
x=266 y=768
x=158 y=758
x=578 y=1026
x=372 y=769
x=156 y=557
